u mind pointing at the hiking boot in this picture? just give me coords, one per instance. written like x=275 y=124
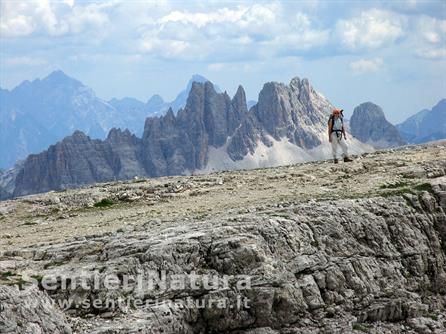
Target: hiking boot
x=336 y=161
x=347 y=159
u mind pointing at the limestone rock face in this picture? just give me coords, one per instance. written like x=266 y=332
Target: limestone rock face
x=369 y=125
x=296 y=112
x=373 y=260
x=30 y=311
x=166 y=147
x=126 y=148
x=76 y=160
x=174 y=145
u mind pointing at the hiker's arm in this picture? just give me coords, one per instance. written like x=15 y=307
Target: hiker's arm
x=330 y=126
x=343 y=132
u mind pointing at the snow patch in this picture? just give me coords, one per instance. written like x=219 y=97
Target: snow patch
x=282 y=152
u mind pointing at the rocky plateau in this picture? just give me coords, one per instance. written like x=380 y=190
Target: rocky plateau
x=348 y=248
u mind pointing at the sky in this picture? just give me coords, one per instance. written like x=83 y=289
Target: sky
x=392 y=53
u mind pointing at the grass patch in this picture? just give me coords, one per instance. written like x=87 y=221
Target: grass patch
x=424 y=187
x=361 y=327
x=397 y=192
x=104 y=203
x=401 y=189
x=6 y=274
x=395 y=185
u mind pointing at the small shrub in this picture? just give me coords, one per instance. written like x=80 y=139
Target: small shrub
x=7 y=274
x=396 y=185
x=361 y=328
x=104 y=203
x=397 y=192
x=423 y=187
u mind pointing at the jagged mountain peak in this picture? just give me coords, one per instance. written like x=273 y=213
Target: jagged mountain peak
x=60 y=79
x=198 y=78
x=296 y=82
x=240 y=94
x=55 y=80
x=78 y=134
x=170 y=114
x=58 y=75
x=200 y=88
x=118 y=132
x=295 y=113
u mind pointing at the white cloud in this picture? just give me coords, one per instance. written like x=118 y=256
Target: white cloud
x=12 y=21
x=22 y=18
x=432 y=53
x=233 y=67
x=201 y=19
x=229 y=34
x=366 y=65
x=371 y=29
x=24 y=61
x=429 y=38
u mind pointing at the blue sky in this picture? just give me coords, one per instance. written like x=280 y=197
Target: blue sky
x=392 y=53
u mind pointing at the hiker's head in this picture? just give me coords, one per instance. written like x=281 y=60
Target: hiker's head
x=336 y=112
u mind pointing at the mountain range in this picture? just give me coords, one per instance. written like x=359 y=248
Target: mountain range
x=212 y=132
x=425 y=126
x=202 y=130
x=37 y=114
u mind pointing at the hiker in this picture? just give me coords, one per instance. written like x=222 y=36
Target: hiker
x=336 y=135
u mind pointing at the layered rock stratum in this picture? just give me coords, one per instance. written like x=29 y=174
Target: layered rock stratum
x=348 y=248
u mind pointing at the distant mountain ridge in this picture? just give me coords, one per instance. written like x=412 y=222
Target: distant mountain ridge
x=369 y=124
x=156 y=104
x=38 y=113
x=427 y=125
x=212 y=132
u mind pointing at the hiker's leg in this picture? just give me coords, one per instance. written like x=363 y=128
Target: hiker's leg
x=334 y=145
x=344 y=147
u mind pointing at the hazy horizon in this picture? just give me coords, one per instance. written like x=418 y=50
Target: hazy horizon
x=392 y=54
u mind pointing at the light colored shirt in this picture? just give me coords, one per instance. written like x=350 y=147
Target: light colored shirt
x=337 y=124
